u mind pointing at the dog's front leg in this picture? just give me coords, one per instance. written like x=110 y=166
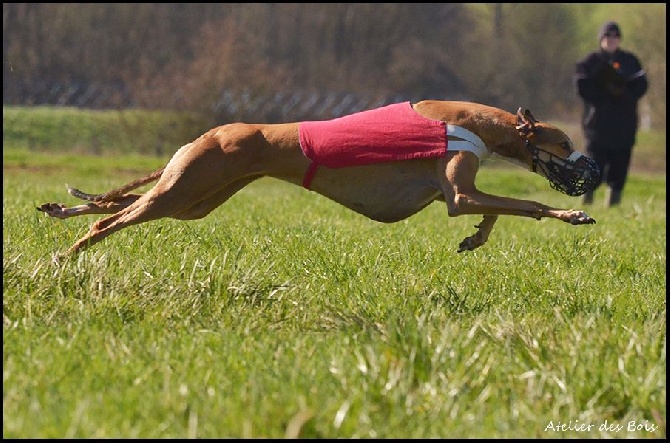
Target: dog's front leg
x=479 y=238
x=463 y=198
x=492 y=206
x=476 y=202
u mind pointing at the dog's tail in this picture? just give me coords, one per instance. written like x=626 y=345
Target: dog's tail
x=115 y=193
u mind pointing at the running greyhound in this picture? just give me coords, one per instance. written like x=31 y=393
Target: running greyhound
x=386 y=163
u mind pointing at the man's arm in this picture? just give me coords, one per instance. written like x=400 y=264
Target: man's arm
x=589 y=86
x=637 y=84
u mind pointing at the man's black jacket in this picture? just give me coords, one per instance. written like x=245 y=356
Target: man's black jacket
x=610 y=86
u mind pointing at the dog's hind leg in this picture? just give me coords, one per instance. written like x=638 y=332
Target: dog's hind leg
x=152 y=206
x=205 y=174
x=142 y=210
x=187 y=189
x=158 y=203
x=204 y=207
x=107 y=203
x=58 y=210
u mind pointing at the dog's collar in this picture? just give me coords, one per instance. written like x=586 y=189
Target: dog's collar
x=469 y=142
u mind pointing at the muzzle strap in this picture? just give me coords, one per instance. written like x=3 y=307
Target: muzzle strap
x=575 y=156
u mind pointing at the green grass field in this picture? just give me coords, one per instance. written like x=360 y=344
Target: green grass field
x=282 y=314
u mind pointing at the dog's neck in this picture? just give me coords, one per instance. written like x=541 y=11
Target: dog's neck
x=494 y=126
x=501 y=137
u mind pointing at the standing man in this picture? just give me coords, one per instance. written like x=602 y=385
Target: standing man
x=610 y=81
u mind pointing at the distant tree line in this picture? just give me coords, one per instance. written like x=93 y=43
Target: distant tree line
x=183 y=55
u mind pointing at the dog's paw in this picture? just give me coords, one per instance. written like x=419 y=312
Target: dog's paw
x=56 y=210
x=470 y=243
x=579 y=218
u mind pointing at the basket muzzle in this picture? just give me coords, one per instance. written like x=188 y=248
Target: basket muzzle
x=575 y=175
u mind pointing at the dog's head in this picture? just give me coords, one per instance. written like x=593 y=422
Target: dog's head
x=553 y=156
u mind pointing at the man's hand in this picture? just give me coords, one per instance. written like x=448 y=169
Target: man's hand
x=614 y=89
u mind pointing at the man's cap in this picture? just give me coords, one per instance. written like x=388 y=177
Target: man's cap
x=609 y=28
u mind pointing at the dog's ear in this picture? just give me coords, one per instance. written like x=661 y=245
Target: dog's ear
x=525 y=122
x=529 y=117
